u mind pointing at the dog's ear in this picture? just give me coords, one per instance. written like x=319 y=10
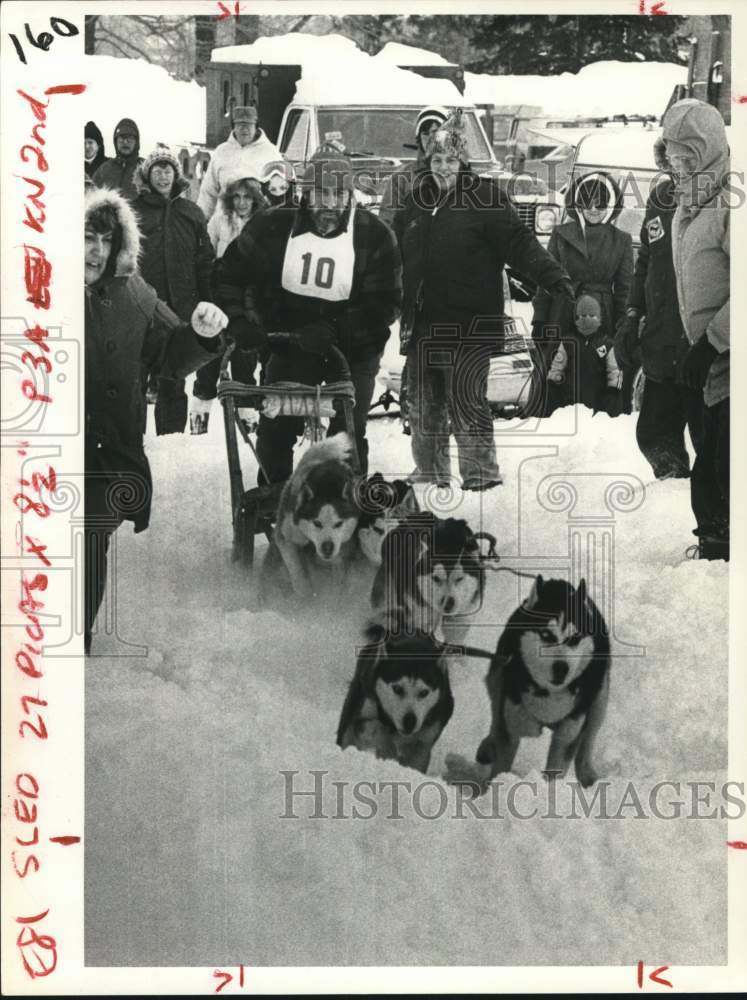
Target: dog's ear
x=348 y=491
x=534 y=593
x=304 y=494
x=408 y=502
x=581 y=591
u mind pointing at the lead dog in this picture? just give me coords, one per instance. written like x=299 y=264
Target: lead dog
x=550 y=669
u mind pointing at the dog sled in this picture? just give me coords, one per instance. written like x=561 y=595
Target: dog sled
x=253 y=511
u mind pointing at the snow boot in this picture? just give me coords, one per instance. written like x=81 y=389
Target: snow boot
x=199 y=415
x=709 y=547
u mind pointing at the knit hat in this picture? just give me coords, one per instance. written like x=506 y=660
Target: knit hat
x=589 y=306
x=450 y=139
x=432 y=115
x=328 y=168
x=94 y=132
x=246 y=114
x=161 y=154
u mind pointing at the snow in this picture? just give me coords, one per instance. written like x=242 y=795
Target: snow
x=125 y=88
x=188 y=861
x=326 y=59
x=410 y=55
x=608 y=87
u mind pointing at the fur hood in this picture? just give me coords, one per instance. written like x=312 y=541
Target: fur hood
x=129 y=251
x=595 y=178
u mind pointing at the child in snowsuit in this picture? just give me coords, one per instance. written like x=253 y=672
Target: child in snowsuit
x=238 y=203
x=583 y=368
x=278 y=184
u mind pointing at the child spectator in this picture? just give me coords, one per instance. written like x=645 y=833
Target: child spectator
x=278 y=180
x=583 y=368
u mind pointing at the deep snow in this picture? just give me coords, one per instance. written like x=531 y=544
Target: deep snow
x=187 y=860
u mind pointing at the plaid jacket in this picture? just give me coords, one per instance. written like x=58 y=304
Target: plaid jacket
x=248 y=282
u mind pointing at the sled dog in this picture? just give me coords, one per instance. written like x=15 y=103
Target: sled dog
x=399 y=700
x=550 y=669
x=431 y=573
x=316 y=521
x=382 y=504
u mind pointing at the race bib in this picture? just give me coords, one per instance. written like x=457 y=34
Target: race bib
x=320 y=268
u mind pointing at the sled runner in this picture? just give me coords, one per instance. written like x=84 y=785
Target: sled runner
x=253 y=511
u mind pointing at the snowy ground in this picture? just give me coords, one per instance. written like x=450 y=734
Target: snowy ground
x=188 y=861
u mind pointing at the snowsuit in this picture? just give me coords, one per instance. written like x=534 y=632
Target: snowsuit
x=177 y=260
x=229 y=162
x=92 y=131
x=700 y=247
x=118 y=173
x=252 y=284
x=589 y=372
x=599 y=260
x=454 y=249
x=668 y=405
x=129 y=332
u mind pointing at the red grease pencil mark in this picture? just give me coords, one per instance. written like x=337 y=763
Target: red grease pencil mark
x=65 y=841
x=655 y=976
x=225 y=976
x=225 y=12
x=739 y=845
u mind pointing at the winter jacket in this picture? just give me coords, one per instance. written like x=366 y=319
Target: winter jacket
x=598 y=259
x=128 y=333
x=653 y=291
x=589 y=371
x=454 y=249
x=94 y=132
x=118 y=174
x=248 y=281
x=700 y=236
x=177 y=257
x=231 y=161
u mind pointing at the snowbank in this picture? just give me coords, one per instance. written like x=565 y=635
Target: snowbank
x=188 y=861
x=166 y=110
x=602 y=88
x=410 y=55
x=328 y=59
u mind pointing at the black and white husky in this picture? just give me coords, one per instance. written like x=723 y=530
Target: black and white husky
x=550 y=670
x=399 y=700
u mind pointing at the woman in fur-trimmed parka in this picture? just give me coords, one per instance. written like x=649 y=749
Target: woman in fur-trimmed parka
x=128 y=332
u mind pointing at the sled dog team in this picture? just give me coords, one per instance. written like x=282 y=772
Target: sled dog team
x=551 y=665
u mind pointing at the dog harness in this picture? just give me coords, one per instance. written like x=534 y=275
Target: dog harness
x=320 y=267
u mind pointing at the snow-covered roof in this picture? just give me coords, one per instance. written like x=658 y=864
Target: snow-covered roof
x=335 y=71
x=125 y=88
x=607 y=87
x=409 y=55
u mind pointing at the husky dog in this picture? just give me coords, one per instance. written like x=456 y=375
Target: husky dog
x=399 y=700
x=431 y=573
x=550 y=669
x=316 y=521
x=382 y=505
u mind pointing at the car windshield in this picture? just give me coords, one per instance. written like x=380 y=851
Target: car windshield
x=389 y=131
x=636 y=186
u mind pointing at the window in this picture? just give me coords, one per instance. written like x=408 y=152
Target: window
x=225 y=96
x=245 y=101
x=295 y=135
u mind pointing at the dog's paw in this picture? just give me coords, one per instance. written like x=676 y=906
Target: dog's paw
x=460 y=771
x=486 y=751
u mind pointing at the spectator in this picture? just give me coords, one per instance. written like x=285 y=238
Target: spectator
x=119 y=173
x=597 y=256
x=129 y=331
x=651 y=333
x=457 y=230
x=584 y=364
x=328 y=274
x=240 y=200
x=697 y=149
x=278 y=180
x=94 y=149
x=396 y=188
x=244 y=154
x=177 y=260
